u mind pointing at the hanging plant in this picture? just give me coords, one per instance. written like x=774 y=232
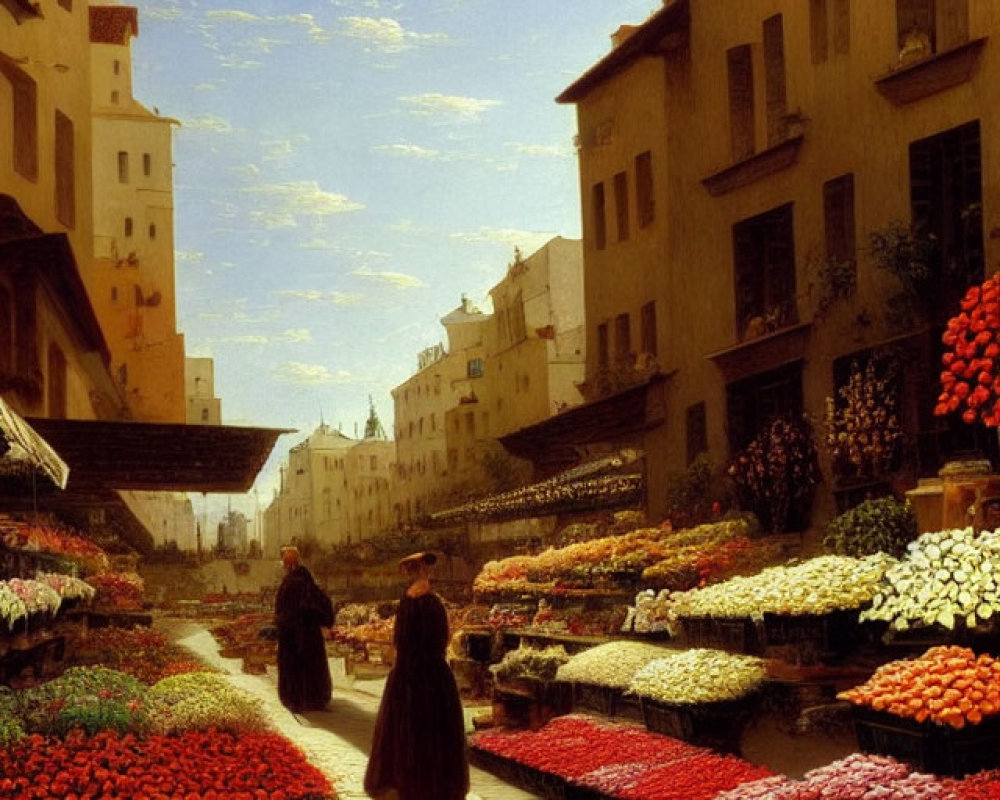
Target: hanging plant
x=970 y=384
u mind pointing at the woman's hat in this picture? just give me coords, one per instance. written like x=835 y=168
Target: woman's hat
x=413 y=559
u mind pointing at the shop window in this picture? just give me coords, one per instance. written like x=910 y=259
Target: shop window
x=647 y=331
x=946 y=195
x=621 y=205
x=623 y=339
x=764 y=258
x=774 y=79
x=741 y=118
x=122 y=166
x=65 y=171
x=24 y=119
x=57 y=383
x=598 y=216
x=602 y=346
x=752 y=403
x=696 y=431
x=838 y=219
x=645 y=206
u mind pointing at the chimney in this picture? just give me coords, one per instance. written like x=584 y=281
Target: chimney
x=465 y=303
x=623 y=32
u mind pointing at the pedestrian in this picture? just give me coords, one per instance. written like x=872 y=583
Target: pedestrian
x=418 y=750
x=301 y=611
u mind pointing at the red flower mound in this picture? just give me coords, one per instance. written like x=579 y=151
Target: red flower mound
x=194 y=766
x=970 y=382
x=699 y=778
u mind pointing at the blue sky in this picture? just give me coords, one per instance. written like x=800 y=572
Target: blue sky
x=345 y=170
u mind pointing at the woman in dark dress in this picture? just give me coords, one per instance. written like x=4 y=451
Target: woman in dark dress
x=302 y=610
x=419 y=744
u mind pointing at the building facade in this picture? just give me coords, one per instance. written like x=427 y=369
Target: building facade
x=131 y=279
x=738 y=165
x=203 y=407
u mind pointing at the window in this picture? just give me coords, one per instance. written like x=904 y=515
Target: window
x=128 y=226
x=841 y=26
x=152 y=230
x=117 y=67
x=57 y=382
x=644 y=188
x=434 y=424
x=474 y=368
x=597 y=210
x=946 y=196
x=147 y=164
x=24 y=113
x=623 y=338
x=602 y=346
x=829 y=20
x=6 y=331
x=741 y=120
x=696 y=431
x=204 y=415
x=648 y=328
x=515 y=319
x=838 y=219
x=764 y=258
x=114 y=98
x=420 y=427
x=122 y=166
x=114 y=293
x=755 y=401
x=373 y=463
x=621 y=205
x=937 y=25
x=774 y=79
x=818 y=31
x=65 y=171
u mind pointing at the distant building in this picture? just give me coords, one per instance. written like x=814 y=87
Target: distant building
x=334 y=489
x=232 y=534
x=203 y=407
x=168 y=516
x=131 y=280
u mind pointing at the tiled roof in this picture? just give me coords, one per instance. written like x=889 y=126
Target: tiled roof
x=113 y=24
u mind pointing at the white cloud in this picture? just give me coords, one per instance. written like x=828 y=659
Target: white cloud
x=233 y=61
x=316 y=296
x=188 y=257
x=528 y=241
x=409 y=150
x=399 y=280
x=232 y=15
x=245 y=339
x=435 y=103
x=309 y=374
x=319 y=244
x=277 y=149
x=206 y=87
x=295 y=335
x=249 y=170
x=287 y=202
x=543 y=150
x=315 y=32
x=207 y=122
x=386 y=34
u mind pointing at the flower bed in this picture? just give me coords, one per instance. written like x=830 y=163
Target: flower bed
x=948 y=578
x=196 y=766
x=620 y=760
x=144 y=654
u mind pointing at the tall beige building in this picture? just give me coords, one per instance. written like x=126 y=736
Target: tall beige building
x=203 y=407
x=334 y=490
x=131 y=280
x=735 y=159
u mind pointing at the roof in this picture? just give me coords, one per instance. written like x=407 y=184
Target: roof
x=113 y=24
x=158 y=456
x=646 y=40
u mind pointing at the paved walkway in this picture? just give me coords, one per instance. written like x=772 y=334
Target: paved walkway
x=336 y=741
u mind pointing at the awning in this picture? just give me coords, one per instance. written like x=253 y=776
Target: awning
x=26 y=451
x=614 y=419
x=156 y=456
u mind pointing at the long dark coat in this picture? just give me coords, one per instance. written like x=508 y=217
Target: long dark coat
x=302 y=609
x=419 y=743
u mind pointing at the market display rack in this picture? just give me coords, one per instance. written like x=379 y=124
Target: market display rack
x=927 y=746
x=537 y=782
x=717 y=725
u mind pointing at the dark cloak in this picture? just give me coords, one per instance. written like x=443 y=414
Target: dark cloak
x=302 y=609
x=419 y=743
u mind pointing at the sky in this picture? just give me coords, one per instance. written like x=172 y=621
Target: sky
x=345 y=170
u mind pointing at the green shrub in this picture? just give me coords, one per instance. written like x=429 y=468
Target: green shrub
x=883 y=525
x=203 y=700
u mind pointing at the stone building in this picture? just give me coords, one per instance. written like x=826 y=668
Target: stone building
x=735 y=161
x=203 y=407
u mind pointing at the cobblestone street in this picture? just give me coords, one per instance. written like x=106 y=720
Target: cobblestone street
x=336 y=741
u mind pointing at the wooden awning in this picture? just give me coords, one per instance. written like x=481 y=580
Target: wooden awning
x=614 y=419
x=153 y=456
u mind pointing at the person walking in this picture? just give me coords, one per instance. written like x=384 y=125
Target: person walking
x=302 y=609
x=418 y=749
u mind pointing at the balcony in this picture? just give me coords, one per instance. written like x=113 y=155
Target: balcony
x=754 y=168
x=932 y=74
